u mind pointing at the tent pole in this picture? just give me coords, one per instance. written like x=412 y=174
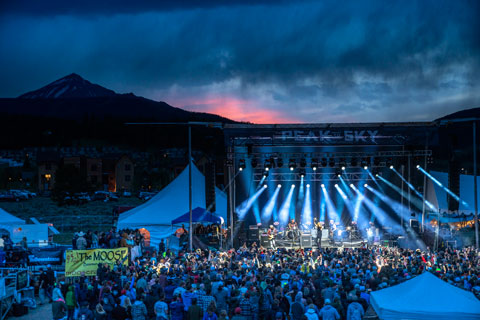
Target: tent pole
x=475 y=191
x=190 y=235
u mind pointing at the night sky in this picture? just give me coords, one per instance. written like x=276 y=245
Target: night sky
x=258 y=61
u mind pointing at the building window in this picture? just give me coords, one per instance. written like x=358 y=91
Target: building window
x=127 y=167
x=93 y=167
x=127 y=178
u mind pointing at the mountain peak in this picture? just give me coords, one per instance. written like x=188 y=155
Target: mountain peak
x=71 y=86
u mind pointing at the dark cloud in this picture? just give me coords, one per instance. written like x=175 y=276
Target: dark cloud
x=318 y=56
x=94 y=7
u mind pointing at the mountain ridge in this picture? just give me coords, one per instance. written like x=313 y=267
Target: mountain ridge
x=70 y=86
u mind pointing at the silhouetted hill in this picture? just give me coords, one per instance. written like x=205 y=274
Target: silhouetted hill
x=462 y=114
x=71 y=86
x=125 y=106
x=73 y=109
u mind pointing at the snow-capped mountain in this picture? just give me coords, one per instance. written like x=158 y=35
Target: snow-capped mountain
x=71 y=86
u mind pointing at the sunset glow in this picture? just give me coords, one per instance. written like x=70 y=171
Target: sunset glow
x=236 y=109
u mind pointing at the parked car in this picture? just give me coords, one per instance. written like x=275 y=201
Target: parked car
x=19 y=194
x=29 y=193
x=82 y=197
x=8 y=197
x=144 y=195
x=105 y=196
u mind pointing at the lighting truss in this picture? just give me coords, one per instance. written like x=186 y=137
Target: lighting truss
x=337 y=155
x=317 y=176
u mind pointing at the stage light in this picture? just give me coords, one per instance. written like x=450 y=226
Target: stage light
x=339 y=175
x=365 y=167
x=314 y=168
x=391 y=167
x=303 y=163
x=292 y=164
x=365 y=162
x=243 y=208
x=259 y=224
x=418 y=166
x=308 y=185
x=353 y=162
x=314 y=164
x=265 y=186
x=376 y=174
x=284 y=211
x=268 y=210
x=351 y=185
x=241 y=164
x=322 y=185
x=302 y=172
x=324 y=162
x=279 y=185
x=331 y=162
x=265 y=174
x=336 y=185
x=280 y=162
x=365 y=185
x=268 y=164
x=343 y=168
x=293 y=186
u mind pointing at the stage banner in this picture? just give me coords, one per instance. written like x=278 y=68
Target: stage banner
x=85 y=262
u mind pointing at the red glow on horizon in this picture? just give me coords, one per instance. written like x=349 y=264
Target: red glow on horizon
x=235 y=109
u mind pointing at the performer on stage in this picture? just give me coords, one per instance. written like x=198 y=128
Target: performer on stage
x=332 y=227
x=318 y=226
x=292 y=225
x=272 y=232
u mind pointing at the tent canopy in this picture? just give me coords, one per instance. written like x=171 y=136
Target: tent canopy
x=198 y=215
x=170 y=203
x=9 y=219
x=425 y=297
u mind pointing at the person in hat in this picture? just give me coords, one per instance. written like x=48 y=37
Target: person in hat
x=328 y=312
x=81 y=241
x=311 y=313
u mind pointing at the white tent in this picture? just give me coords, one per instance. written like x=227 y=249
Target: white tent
x=7 y=219
x=425 y=297
x=171 y=202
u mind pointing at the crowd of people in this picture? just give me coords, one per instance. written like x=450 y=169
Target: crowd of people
x=254 y=283
x=107 y=240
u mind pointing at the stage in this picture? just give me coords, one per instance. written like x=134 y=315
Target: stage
x=366 y=174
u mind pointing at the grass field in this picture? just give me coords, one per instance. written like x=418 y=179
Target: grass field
x=95 y=215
